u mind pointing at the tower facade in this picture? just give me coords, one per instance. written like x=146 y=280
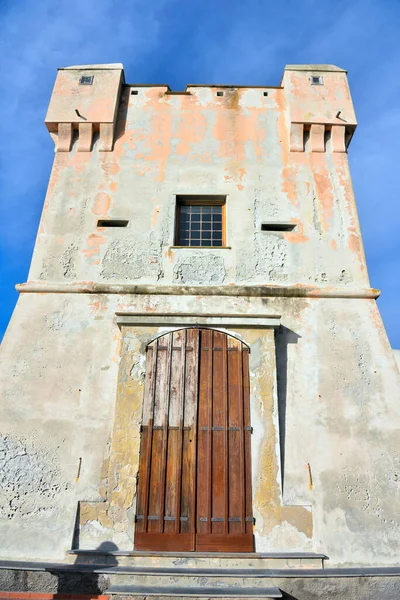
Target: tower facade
x=197 y=362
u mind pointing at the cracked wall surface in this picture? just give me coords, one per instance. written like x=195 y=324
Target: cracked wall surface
x=324 y=388
x=30 y=479
x=92 y=410
x=237 y=146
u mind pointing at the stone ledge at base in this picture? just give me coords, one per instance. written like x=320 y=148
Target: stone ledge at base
x=48 y=581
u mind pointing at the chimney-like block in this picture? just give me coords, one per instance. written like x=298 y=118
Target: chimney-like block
x=319 y=95
x=85 y=97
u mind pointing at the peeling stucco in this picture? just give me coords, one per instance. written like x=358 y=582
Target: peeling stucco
x=324 y=387
x=200 y=269
x=30 y=479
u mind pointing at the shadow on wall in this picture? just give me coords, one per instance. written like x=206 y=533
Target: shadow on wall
x=283 y=337
x=120 y=126
x=83 y=578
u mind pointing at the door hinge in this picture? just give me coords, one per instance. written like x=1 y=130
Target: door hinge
x=250 y=520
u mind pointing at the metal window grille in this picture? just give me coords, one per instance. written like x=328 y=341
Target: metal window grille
x=316 y=80
x=86 y=80
x=200 y=225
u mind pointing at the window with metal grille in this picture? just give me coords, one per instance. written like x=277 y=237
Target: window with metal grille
x=200 y=222
x=86 y=79
x=316 y=80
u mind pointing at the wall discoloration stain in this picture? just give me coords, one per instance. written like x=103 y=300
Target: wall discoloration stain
x=324 y=389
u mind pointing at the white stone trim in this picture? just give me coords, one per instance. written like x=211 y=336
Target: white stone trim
x=207 y=320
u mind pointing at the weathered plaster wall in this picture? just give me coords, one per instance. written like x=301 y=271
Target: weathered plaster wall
x=324 y=389
x=325 y=442
x=236 y=145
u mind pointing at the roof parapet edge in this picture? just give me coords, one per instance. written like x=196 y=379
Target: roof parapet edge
x=105 y=67
x=314 y=68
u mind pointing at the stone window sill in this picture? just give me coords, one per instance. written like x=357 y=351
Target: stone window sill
x=201 y=247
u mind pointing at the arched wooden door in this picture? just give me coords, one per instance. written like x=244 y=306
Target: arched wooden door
x=194 y=487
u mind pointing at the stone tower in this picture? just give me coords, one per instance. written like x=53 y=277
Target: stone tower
x=197 y=362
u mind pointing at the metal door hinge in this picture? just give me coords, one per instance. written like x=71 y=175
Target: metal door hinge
x=250 y=520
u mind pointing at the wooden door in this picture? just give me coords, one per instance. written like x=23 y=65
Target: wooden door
x=194 y=488
x=165 y=518
x=224 y=505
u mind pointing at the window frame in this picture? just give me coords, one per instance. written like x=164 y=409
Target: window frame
x=199 y=200
x=86 y=80
x=319 y=80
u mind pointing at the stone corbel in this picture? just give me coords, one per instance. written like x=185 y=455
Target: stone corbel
x=317 y=135
x=297 y=137
x=64 y=138
x=106 y=137
x=338 y=138
x=85 y=137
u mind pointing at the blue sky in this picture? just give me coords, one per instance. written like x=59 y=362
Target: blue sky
x=201 y=41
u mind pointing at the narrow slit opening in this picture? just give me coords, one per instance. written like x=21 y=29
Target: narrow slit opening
x=277 y=226
x=112 y=223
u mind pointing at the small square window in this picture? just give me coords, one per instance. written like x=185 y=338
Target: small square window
x=134 y=92
x=200 y=221
x=86 y=80
x=220 y=93
x=265 y=93
x=316 y=80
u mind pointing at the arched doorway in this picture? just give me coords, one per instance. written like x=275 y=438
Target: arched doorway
x=194 y=487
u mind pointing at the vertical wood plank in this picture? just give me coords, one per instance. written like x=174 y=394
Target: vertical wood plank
x=187 y=508
x=164 y=453
x=147 y=436
x=235 y=437
x=219 y=450
x=157 y=475
x=173 y=420
x=204 y=448
x=247 y=441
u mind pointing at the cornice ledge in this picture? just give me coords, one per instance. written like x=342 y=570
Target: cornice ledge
x=205 y=319
x=290 y=291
